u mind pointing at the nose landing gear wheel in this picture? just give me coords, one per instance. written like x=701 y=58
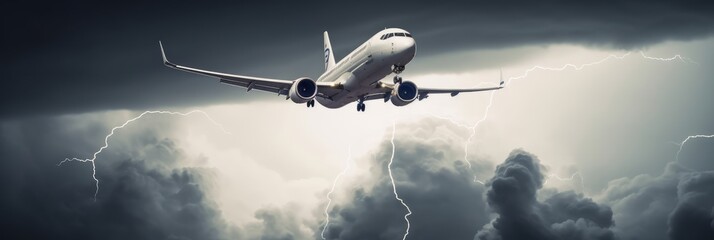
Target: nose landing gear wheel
x=397 y=69
x=397 y=79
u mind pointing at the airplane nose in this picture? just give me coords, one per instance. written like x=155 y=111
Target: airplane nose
x=405 y=49
x=406 y=46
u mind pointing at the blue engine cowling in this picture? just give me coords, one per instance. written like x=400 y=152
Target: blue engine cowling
x=303 y=90
x=404 y=93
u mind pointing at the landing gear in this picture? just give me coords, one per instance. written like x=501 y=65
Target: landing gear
x=360 y=104
x=311 y=103
x=397 y=79
x=397 y=69
x=360 y=107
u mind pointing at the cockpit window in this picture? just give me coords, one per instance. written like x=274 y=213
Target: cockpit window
x=401 y=34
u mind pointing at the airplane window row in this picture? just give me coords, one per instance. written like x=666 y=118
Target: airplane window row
x=388 y=35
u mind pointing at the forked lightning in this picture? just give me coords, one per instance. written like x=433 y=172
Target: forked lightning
x=114 y=129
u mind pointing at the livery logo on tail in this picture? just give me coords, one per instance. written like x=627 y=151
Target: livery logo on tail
x=327 y=56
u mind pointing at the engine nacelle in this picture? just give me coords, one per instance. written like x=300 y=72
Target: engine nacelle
x=404 y=93
x=302 y=90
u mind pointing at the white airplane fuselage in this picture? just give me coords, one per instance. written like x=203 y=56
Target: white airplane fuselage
x=360 y=71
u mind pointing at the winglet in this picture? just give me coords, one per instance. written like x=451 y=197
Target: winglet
x=163 y=55
x=501 y=84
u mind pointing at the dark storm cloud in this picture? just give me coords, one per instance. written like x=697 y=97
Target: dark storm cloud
x=84 y=56
x=146 y=198
x=512 y=194
x=692 y=217
x=146 y=192
x=445 y=201
x=566 y=215
x=674 y=205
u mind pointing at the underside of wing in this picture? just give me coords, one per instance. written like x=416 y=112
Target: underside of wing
x=456 y=91
x=408 y=91
x=424 y=92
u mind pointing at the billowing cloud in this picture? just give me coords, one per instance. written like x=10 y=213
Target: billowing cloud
x=693 y=217
x=145 y=191
x=438 y=187
x=150 y=188
x=278 y=224
x=512 y=194
x=674 y=205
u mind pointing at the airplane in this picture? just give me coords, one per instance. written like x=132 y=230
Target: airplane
x=356 y=77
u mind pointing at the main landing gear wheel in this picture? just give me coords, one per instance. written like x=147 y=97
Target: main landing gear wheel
x=311 y=103
x=360 y=107
x=397 y=79
x=360 y=104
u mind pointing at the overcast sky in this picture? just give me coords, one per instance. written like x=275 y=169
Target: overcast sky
x=583 y=153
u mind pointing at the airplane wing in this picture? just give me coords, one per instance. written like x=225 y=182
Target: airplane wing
x=456 y=91
x=279 y=86
x=386 y=90
x=424 y=92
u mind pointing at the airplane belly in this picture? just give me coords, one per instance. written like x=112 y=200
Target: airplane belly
x=332 y=103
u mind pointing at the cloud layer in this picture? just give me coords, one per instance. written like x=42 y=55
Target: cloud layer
x=152 y=189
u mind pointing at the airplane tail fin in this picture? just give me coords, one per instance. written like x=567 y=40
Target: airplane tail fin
x=329 y=56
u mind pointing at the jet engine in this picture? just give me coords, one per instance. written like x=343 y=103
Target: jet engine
x=404 y=93
x=302 y=90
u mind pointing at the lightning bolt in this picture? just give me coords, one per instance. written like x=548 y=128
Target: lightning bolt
x=564 y=67
x=675 y=57
x=681 y=145
x=334 y=183
x=106 y=141
x=569 y=65
x=394 y=186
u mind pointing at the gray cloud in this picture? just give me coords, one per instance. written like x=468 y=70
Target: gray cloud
x=437 y=186
x=81 y=57
x=277 y=224
x=512 y=194
x=140 y=198
x=692 y=217
x=674 y=205
x=147 y=191
x=566 y=215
